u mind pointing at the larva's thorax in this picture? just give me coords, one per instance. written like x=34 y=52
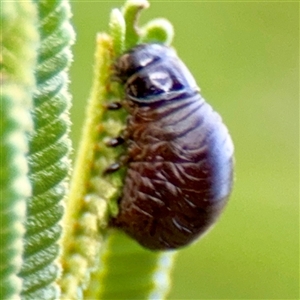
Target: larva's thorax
x=174 y=125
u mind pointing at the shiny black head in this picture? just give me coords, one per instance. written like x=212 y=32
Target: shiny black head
x=153 y=72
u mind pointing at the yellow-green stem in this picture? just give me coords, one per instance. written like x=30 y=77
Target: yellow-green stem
x=87 y=207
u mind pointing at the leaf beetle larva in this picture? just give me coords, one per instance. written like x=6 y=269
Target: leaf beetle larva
x=179 y=153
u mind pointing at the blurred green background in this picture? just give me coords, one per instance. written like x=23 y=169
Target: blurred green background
x=245 y=58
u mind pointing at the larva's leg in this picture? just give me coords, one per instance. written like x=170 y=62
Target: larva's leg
x=112 y=168
x=113 y=105
x=114 y=142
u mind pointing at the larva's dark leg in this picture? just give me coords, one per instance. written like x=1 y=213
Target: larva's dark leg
x=123 y=160
x=113 y=105
x=114 y=142
x=112 y=168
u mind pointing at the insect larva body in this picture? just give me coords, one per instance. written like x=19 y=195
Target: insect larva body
x=179 y=153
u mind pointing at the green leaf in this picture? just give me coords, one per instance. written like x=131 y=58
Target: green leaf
x=15 y=186
x=19 y=39
x=157 y=30
x=127 y=271
x=88 y=205
x=131 y=11
x=130 y=272
x=49 y=151
x=93 y=195
x=118 y=30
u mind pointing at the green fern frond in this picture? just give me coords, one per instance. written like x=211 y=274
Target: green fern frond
x=19 y=39
x=15 y=187
x=94 y=196
x=130 y=272
x=49 y=151
x=87 y=209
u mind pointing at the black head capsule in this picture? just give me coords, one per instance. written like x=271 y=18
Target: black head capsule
x=179 y=155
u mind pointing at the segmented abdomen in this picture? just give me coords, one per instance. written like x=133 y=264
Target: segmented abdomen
x=179 y=172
